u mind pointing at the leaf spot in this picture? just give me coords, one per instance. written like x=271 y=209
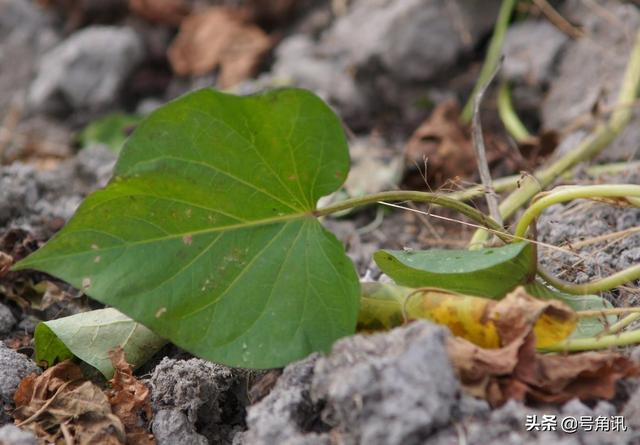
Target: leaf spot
x=86 y=283
x=97 y=259
x=187 y=240
x=94 y=247
x=160 y=312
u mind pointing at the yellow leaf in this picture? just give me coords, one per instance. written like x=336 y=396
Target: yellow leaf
x=485 y=322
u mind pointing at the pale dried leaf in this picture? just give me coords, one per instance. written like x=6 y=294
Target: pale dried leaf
x=517 y=371
x=60 y=405
x=130 y=401
x=219 y=37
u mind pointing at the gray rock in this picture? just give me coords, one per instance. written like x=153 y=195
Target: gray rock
x=635 y=354
x=300 y=61
x=392 y=388
x=286 y=414
x=12 y=435
x=631 y=410
x=93 y=167
x=591 y=70
x=531 y=49
x=207 y=394
x=396 y=387
x=7 y=320
x=172 y=427
x=87 y=70
x=374 y=54
x=508 y=426
x=470 y=406
x=18 y=191
x=409 y=39
x=28 y=324
x=148 y=105
x=41 y=201
x=562 y=223
x=38 y=136
x=604 y=408
x=25 y=33
x=576 y=408
x=13 y=368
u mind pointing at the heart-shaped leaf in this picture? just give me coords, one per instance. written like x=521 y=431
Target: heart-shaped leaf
x=490 y=272
x=207 y=232
x=91 y=335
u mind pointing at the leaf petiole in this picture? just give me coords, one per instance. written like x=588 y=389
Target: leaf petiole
x=432 y=198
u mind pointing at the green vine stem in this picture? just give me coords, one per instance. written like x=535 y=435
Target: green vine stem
x=508 y=115
x=509 y=183
x=432 y=198
x=592 y=343
x=621 y=324
x=613 y=191
x=605 y=312
x=569 y=193
x=587 y=149
x=493 y=55
x=601 y=285
x=614 y=167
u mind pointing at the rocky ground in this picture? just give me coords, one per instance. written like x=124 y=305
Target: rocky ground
x=384 y=65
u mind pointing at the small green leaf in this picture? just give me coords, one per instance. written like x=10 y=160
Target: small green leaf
x=207 y=233
x=587 y=326
x=490 y=272
x=111 y=130
x=91 y=335
x=49 y=348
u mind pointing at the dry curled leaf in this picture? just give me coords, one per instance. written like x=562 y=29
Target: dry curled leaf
x=517 y=371
x=219 y=37
x=60 y=406
x=537 y=148
x=444 y=143
x=489 y=323
x=482 y=321
x=129 y=400
x=170 y=12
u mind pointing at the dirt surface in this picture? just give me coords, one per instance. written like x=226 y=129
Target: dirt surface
x=385 y=66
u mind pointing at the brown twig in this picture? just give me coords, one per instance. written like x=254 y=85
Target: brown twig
x=558 y=20
x=481 y=152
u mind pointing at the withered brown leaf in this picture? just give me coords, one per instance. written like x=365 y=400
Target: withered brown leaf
x=517 y=371
x=219 y=37
x=60 y=405
x=129 y=400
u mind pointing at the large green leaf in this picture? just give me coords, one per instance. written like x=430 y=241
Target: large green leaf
x=91 y=335
x=207 y=232
x=490 y=272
